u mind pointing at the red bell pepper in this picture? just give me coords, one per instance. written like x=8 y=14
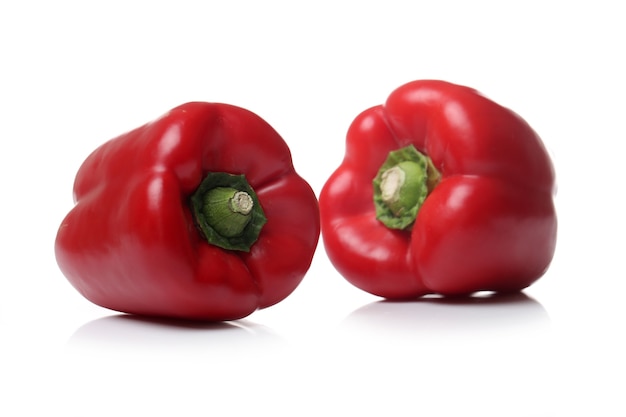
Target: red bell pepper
x=441 y=191
x=196 y=215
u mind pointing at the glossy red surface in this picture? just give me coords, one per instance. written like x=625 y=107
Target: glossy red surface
x=490 y=224
x=130 y=243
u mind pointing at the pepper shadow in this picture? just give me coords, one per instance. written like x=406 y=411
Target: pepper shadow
x=482 y=316
x=132 y=333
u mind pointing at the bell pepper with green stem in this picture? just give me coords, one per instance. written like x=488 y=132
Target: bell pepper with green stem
x=441 y=191
x=196 y=215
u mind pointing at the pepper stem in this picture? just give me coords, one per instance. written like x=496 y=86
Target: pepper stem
x=402 y=184
x=227 y=212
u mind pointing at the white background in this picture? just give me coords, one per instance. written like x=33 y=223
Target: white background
x=74 y=74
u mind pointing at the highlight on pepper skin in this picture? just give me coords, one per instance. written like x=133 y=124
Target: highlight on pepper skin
x=190 y=216
x=441 y=191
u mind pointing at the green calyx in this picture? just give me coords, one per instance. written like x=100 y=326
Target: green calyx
x=401 y=186
x=227 y=211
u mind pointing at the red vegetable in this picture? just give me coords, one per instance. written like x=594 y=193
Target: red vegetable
x=441 y=191
x=198 y=215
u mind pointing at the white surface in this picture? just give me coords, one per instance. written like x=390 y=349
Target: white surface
x=74 y=74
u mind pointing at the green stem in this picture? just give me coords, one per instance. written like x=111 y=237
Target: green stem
x=401 y=186
x=227 y=211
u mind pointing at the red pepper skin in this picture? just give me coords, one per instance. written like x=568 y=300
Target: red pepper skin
x=130 y=243
x=490 y=223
